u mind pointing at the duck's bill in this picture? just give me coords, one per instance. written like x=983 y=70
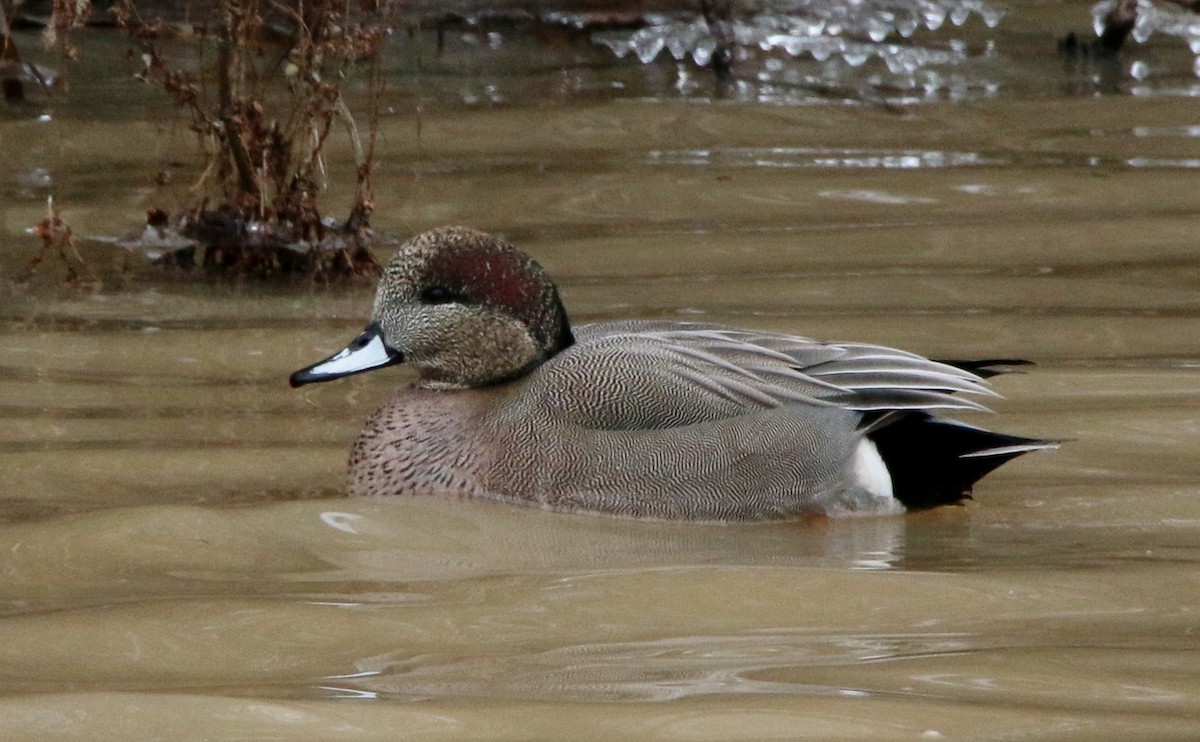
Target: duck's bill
x=365 y=352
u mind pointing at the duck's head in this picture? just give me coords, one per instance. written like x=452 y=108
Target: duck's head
x=464 y=308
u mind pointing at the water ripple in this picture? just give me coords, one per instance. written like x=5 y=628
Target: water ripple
x=819 y=157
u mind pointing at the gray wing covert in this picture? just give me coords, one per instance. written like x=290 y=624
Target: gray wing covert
x=650 y=375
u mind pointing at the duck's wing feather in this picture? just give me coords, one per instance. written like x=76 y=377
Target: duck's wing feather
x=658 y=374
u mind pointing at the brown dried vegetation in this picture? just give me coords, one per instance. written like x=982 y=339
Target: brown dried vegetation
x=262 y=112
x=57 y=242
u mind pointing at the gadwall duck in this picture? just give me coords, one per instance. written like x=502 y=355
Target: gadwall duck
x=644 y=419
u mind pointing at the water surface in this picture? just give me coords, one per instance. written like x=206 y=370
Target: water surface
x=178 y=562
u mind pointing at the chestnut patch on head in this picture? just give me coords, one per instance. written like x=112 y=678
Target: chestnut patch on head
x=484 y=275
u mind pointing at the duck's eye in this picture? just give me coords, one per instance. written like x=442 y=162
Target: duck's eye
x=440 y=295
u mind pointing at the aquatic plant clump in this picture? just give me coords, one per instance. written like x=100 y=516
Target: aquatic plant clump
x=263 y=111
x=221 y=240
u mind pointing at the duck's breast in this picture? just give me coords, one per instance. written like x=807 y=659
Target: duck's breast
x=424 y=442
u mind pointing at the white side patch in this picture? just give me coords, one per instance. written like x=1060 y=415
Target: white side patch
x=869 y=471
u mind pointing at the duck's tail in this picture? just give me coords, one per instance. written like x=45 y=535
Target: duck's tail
x=935 y=461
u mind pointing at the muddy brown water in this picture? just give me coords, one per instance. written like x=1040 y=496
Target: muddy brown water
x=176 y=562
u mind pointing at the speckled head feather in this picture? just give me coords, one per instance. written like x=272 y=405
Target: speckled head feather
x=469 y=309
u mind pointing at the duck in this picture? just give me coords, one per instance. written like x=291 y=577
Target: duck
x=646 y=419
